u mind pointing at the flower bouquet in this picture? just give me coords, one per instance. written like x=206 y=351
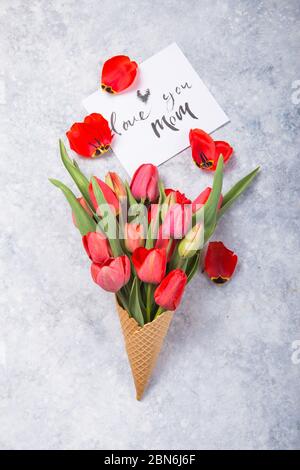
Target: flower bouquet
x=144 y=241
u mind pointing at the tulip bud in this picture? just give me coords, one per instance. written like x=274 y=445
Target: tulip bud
x=169 y=201
x=97 y=247
x=134 y=236
x=150 y=264
x=177 y=221
x=144 y=183
x=108 y=195
x=114 y=181
x=169 y=292
x=192 y=242
x=83 y=203
x=113 y=274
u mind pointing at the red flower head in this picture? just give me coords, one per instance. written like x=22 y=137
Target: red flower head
x=90 y=138
x=83 y=204
x=220 y=262
x=113 y=274
x=108 y=193
x=144 y=183
x=97 y=247
x=180 y=198
x=118 y=73
x=169 y=292
x=114 y=181
x=150 y=264
x=202 y=199
x=206 y=151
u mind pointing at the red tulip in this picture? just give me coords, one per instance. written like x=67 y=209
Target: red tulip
x=114 y=181
x=134 y=236
x=97 y=247
x=83 y=204
x=220 y=262
x=113 y=274
x=180 y=198
x=202 y=199
x=206 y=151
x=169 y=292
x=90 y=138
x=108 y=193
x=144 y=183
x=118 y=73
x=177 y=221
x=150 y=264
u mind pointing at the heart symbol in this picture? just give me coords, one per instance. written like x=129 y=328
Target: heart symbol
x=143 y=96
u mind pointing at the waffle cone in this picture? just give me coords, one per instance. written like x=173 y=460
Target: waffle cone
x=143 y=345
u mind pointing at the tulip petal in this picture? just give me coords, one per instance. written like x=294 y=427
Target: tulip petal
x=90 y=138
x=203 y=149
x=206 y=152
x=220 y=262
x=118 y=73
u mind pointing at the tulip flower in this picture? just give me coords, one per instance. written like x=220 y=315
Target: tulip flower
x=202 y=199
x=83 y=204
x=220 y=262
x=114 y=181
x=150 y=264
x=90 y=138
x=108 y=194
x=177 y=221
x=206 y=151
x=169 y=292
x=179 y=197
x=113 y=274
x=144 y=184
x=118 y=73
x=192 y=242
x=134 y=236
x=97 y=247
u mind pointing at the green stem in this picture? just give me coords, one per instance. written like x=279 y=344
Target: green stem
x=123 y=300
x=159 y=312
x=148 y=302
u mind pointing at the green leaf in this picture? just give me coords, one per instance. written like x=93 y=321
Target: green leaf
x=236 y=191
x=135 y=302
x=192 y=266
x=85 y=223
x=79 y=178
x=162 y=194
x=211 y=206
x=131 y=199
x=153 y=230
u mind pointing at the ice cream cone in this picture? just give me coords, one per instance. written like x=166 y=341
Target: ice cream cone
x=143 y=345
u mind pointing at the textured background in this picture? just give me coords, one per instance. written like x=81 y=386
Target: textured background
x=226 y=378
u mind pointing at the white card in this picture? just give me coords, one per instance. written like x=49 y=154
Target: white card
x=151 y=120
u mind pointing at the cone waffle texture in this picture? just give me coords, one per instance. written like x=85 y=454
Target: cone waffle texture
x=143 y=345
